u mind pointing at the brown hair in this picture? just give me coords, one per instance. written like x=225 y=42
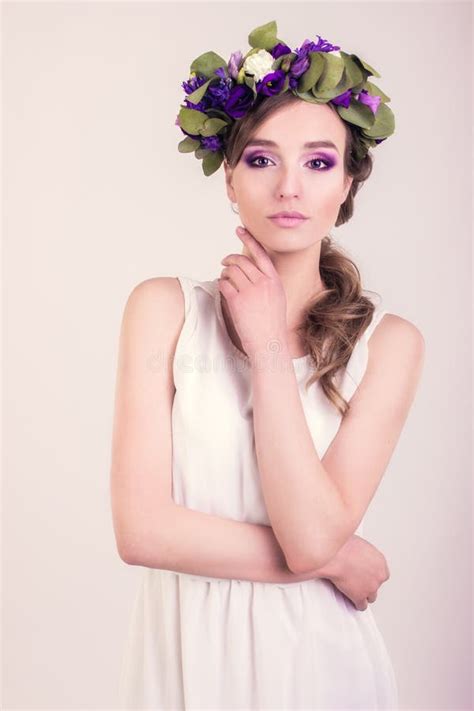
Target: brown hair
x=340 y=314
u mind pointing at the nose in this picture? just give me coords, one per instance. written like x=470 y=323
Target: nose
x=288 y=184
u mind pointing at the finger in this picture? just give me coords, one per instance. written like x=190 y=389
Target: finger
x=236 y=276
x=226 y=288
x=248 y=267
x=259 y=254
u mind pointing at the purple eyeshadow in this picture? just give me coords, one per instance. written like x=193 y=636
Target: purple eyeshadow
x=330 y=161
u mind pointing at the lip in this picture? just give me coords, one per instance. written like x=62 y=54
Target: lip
x=283 y=221
x=289 y=213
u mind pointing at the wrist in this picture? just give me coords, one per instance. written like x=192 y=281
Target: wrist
x=269 y=350
x=331 y=569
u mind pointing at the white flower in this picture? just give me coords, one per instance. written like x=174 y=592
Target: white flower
x=259 y=64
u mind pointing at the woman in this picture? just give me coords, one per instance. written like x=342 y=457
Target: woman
x=245 y=458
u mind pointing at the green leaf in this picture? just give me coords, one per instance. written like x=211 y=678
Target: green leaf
x=207 y=64
x=344 y=84
x=188 y=145
x=366 y=68
x=375 y=91
x=352 y=70
x=314 y=71
x=325 y=95
x=212 y=126
x=201 y=152
x=211 y=162
x=191 y=120
x=264 y=36
x=309 y=96
x=384 y=124
x=218 y=113
x=197 y=95
x=357 y=113
x=286 y=83
x=331 y=74
x=250 y=82
x=283 y=61
x=374 y=72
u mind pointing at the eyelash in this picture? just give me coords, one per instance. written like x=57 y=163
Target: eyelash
x=316 y=170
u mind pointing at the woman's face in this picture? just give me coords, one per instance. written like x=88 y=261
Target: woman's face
x=289 y=176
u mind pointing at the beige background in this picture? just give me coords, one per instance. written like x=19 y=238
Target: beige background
x=97 y=198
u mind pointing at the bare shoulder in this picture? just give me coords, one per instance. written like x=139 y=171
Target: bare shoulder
x=153 y=316
x=396 y=357
x=163 y=290
x=397 y=335
x=157 y=299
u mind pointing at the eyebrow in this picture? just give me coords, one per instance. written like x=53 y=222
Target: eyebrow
x=309 y=144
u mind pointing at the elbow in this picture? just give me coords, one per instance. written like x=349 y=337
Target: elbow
x=302 y=561
x=316 y=561
x=143 y=543
x=129 y=549
x=301 y=567
x=128 y=556
x=310 y=565
x=320 y=555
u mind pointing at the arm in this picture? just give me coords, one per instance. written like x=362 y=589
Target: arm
x=315 y=505
x=149 y=528
x=197 y=543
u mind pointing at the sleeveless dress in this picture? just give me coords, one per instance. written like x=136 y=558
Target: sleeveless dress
x=195 y=642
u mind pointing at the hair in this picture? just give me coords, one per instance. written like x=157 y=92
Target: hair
x=339 y=315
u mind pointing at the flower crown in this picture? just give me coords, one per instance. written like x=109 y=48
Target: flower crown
x=219 y=93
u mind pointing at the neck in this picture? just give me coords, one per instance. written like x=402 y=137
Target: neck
x=301 y=279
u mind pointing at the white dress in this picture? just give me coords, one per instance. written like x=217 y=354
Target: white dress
x=209 y=643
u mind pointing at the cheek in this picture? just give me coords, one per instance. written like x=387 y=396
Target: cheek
x=329 y=192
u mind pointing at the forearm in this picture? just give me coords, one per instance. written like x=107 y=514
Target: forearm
x=197 y=543
x=306 y=511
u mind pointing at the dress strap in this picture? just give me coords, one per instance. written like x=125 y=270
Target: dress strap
x=376 y=318
x=357 y=364
x=190 y=312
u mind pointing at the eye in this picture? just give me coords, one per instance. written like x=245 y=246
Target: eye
x=320 y=160
x=252 y=162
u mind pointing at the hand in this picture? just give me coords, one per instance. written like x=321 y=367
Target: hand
x=358 y=570
x=255 y=297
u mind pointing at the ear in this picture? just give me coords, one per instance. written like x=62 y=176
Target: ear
x=228 y=181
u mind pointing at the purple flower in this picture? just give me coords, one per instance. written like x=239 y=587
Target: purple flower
x=299 y=66
x=301 y=63
x=190 y=86
x=279 y=49
x=293 y=82
x=271 y=83
x=212 y=143
x=239 y=102
x=193 y=83
x=371 y=101
x=323 y=45
x=234 y=63
x=343 y=99
x=216 y=94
